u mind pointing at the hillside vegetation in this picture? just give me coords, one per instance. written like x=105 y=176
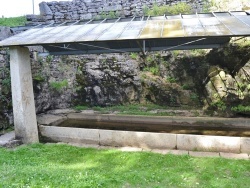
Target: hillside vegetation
x=14 y=21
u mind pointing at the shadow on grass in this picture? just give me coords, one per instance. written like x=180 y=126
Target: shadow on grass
x=57 y=165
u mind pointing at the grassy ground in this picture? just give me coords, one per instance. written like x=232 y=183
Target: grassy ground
x=54 y=165
x=12 y=22
x=136 y=109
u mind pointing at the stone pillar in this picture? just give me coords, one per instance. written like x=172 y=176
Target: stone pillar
x=22 y=95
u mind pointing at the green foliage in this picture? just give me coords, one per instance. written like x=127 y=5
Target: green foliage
x=198 y=52
x=12 y=22
x=241 y=109
x=134 y=55
x=60 y=165
x=194 y=97
x=111 y=15
x=145 y=10
x=186 y=87
x=171 y=79
x=107 y=15
x=79 y=108
x=58 y=86
x=154 y=70
x=49 y=58
x=175 y=53
x=207 y=4
x=220 y=105
x=179 y=8
x=39 y=78
x=131 y=109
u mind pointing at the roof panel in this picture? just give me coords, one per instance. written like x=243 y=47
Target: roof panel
x=234 y=25
x=114 y=31
x=78 y=33
x=161 y=32
x=193 y=27
x=244 y=19
x=213 y=27
x=152 y=29
x=173 y=28
x=132 y=31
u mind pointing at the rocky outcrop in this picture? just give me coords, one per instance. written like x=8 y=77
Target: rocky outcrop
x=109 y=80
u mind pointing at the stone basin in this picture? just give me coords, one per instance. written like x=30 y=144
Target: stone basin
x=184 y=133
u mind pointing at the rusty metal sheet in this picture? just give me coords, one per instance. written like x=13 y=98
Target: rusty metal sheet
x=152 y=29
x=213 y=27
x=132 y=31
x=173 y=28
x=193 y=27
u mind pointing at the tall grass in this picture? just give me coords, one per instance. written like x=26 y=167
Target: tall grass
x=14 y=21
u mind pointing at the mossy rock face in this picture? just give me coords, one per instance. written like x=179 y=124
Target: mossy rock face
x=228 y=77
x=160 y=91
x=4 y=122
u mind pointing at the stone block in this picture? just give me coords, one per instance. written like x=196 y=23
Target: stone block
x=204 y=154
x=130 y=149
x=234 y=155
x=6 y=138
x=245 y=145
x=50 y=119
x=86 y=16
x=178 y=152
x=84 y=145
x=70 y=135
x=61 y=111
x=5 y=32
x=160 y=151
x=138 y=139
x=208 y=143
x=44 y=9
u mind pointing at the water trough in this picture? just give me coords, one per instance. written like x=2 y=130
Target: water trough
x=182 y=133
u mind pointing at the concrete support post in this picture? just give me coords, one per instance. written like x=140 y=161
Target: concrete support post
x=22 y=95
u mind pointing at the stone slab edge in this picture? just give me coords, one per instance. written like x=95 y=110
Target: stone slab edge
x=208 y=143
x=147 y=140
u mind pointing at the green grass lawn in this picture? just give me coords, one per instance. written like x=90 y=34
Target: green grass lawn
x=56 y=165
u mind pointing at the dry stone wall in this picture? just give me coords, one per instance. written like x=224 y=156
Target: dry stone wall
x=90 y=9
x=5 y=93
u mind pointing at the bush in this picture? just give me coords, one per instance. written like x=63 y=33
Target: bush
x=154 y=70
x=58 y=86
x=179 y=8
x=134 y=55
x=241 y=109
x=171 y=79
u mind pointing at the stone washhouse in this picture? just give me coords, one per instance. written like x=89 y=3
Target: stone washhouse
x=137 y=34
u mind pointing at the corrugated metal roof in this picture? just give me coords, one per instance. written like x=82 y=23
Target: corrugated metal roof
x=203 y=30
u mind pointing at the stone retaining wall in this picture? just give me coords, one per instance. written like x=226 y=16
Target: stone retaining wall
x=89 y=9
